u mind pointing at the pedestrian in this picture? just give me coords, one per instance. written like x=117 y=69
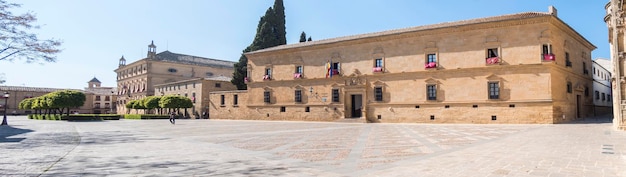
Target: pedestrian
x=173 y=117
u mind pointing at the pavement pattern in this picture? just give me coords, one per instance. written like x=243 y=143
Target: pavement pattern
x=282 y=148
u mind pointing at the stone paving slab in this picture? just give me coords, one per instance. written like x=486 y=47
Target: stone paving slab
x=279 y=148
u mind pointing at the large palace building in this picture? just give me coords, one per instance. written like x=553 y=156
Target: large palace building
x=136 y=80
x=521 y=68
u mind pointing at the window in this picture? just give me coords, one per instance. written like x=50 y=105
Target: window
x=298 y=73
x=431 y=92
x=266 y=97
x=334 y=69
x=492 y=52
x=569 y=87
x=218 y=85
x=171 y=70
x=193 y=97
x=546 y=53
x=186 y=86
x=235 y=100
x=492 y=56
x=97 y=98
x=335 y=95
x=547 y=49
x=298 y=96
x=307 y=109
x=586 y=91
x=594 y=70
x=378 y=93
x=222 y=100
x=282 y=109
x=603 y=97
x=597 y=95
x=299 y=69
x=194 y=85
x=494 y=90
x=107 y=98
x=585 y=71
x=568 y=63
x=608 y=97
x=431 y=60
x=97 y=105
x=268 y=74
x=107 y=105
x=209 y=74
x=378 y=65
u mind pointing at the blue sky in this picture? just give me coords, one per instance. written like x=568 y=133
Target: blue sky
x=97 y=33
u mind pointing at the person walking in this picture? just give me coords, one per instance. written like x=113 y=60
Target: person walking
x=173 y=117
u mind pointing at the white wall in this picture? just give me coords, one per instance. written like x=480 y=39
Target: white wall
x=601 y=85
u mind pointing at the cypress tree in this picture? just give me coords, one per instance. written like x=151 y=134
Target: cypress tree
x=271 y=31
x=310 y=39
x=302 y=37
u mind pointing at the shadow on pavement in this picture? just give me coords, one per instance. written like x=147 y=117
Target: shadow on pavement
x=7 y=131
x=131 y=166
x=601 y=119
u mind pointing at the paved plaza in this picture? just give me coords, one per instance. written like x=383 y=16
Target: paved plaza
x=278 y=148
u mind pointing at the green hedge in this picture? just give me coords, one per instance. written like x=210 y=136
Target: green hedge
x=145 y=116
x=75 y=117
x=46 y=117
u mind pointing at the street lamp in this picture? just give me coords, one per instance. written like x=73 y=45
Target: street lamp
x=6 y=101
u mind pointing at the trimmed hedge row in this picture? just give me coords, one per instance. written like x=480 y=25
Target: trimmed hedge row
x=145 y=116
x=76 y=117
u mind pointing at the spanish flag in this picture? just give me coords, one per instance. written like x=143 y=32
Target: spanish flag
x=329 y=70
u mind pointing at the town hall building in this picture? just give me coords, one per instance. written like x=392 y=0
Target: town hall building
x=520 y=68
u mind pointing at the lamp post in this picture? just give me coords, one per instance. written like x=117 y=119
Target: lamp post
x=6 y=101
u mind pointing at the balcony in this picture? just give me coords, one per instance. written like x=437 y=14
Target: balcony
x=266 y=77
x=548 y=57
x=335 y=72
x=430 y=65
x=377 y=69
x=297 y=75
x=492 y=60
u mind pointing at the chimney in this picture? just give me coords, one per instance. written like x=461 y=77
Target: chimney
x=552 y=10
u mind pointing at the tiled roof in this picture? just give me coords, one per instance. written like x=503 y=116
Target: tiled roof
x=94 y=80
x=407 y=30
x=218 y=78
x=188 y=59
x=30 y=89
x=101 y=90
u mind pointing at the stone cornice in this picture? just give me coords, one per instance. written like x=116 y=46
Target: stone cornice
x=573 y=33
x=413 y=34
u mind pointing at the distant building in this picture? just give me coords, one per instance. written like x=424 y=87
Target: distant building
x=521 y=68
x=615 y=20
x=602 y=100
x=137 y=80
x=100 y=99
x=198 y=91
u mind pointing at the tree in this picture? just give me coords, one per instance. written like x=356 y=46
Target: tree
x=175 y=102
x=151 y=102
x=271 y=31
x=64 y=99
x=302 y=37
x=17 y=43
x=309 y=40
x=26 y=104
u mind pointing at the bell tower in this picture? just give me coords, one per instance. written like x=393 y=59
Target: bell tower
x=151 y=50
x=122 y=61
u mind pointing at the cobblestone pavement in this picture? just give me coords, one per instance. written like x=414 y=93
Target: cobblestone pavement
x=277 y=148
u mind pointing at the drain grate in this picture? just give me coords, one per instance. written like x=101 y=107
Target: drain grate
x=607 y=149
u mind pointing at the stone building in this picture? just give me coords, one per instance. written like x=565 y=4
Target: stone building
x=100 y=99
x=614 y=19
x=520 y=68
x=197 y=90
x=19 y=93
x=136 y=80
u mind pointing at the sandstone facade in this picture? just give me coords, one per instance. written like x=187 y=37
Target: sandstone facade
x=520 y=68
